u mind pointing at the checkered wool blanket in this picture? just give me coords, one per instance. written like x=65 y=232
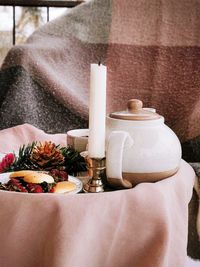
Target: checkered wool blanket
x=151 y=49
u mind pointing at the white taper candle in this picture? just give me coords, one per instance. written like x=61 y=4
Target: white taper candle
x=97 y=111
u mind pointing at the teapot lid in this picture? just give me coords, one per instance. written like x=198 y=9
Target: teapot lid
x=135 y=112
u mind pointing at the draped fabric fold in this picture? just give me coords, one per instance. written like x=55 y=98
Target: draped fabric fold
x=143 y=226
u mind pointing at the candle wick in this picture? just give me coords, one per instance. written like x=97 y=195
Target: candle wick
x=99 y=63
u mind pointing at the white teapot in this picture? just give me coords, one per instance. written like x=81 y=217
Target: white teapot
x=139 y=147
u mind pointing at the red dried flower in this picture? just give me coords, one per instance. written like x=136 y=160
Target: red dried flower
x=34 y=188
x=52 y=190
x=6 y=162
x=38 y=189
x=59 y=175
x=15 y=185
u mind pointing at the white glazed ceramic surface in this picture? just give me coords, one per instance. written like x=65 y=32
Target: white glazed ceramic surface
x=78 y=139
x=154 y=147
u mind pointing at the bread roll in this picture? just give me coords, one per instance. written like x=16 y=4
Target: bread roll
x=64 y=187
x=20 y=174
x=38 y=178
x=34 y=177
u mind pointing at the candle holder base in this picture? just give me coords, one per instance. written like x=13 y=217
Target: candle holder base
x=96 y=168
x=93 y=186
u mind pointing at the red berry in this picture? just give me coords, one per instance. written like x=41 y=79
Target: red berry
x=34 y=188
x=51 y=190
x=59 y=175
x=38 y=189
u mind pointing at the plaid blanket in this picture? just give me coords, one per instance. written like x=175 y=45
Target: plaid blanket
x=151 y=49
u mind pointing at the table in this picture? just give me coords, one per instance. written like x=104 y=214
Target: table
x=140 y=227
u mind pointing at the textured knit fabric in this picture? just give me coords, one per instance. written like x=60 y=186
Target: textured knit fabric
x=151 y=49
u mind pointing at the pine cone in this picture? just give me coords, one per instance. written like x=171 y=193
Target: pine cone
x=47 y=155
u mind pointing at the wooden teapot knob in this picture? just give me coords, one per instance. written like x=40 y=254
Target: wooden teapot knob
x=134 y=105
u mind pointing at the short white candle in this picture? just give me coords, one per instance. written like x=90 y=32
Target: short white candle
x=97 y=111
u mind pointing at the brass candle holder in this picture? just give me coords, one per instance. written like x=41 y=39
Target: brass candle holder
x=96 y=168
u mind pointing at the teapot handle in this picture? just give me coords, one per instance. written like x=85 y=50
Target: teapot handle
x=117 y=141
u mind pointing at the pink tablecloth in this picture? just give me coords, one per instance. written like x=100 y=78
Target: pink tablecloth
x=141 y=227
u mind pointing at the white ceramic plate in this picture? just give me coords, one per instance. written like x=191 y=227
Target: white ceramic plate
x=4 y=178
